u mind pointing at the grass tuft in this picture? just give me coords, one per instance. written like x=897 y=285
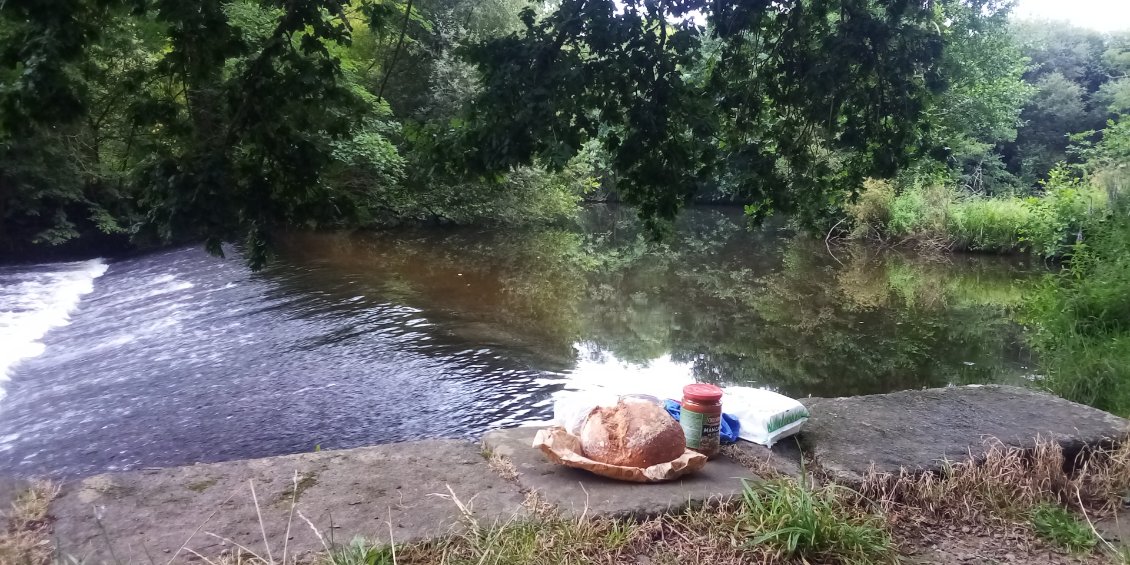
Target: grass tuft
x=1057 y=525
x=25 y=539
x=823 y=524
x=360 y=552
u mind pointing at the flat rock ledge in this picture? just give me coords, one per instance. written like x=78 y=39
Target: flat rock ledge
x=398 y=492
x=921 y=430
x=421 y=490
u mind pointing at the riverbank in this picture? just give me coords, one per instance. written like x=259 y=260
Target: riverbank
x=938 y=217
x=481 y=501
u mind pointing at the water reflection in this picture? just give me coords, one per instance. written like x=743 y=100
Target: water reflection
x=718 y=302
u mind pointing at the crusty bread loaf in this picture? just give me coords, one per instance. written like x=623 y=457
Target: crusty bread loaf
x=634 y=433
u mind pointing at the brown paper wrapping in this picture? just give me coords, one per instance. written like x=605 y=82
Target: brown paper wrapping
x=563 y=448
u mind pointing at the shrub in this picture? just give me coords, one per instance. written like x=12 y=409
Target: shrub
x=872 y=209
x=908 y=214
x=1080 y=320
x=1060 y=217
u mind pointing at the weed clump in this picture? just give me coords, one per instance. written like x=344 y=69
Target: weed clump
x=1057 y=525
x=24 y=540
x=824 y=524
x=939 y=217
x=360 y=552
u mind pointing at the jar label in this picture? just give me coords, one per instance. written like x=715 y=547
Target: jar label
x=701 y=430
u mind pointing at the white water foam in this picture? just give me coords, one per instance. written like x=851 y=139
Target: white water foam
x=34 y=302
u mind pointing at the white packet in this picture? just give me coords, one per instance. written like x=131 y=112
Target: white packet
x=765 y=416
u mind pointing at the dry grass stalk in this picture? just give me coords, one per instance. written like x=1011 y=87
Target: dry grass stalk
x=704 y=535
x=536 y=503
x=1105 y=477
x=502 y=465
x=1005 y=483
x=25 y=539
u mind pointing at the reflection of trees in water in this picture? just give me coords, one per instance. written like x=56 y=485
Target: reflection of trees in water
x=738 y=306
x=516 y=291
x=791 y=317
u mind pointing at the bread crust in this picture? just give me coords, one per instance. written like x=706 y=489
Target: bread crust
x=634 y=433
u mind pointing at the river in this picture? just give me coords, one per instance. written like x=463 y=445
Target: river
x=177 y=357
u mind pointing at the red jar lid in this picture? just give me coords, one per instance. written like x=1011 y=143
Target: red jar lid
x=702 y=392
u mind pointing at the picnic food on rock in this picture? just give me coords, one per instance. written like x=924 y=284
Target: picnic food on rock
x=633 y=433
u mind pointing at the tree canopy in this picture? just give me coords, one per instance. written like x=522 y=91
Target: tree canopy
x=228 y=120
x=788 y=100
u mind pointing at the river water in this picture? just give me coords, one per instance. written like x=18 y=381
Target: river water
x=177 y=357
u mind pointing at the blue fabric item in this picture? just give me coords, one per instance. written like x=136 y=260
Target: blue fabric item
x=730 y=424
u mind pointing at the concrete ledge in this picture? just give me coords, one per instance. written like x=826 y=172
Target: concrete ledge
x=575 y=492
x=918 y=430
x=402 y=492
x=397 y=491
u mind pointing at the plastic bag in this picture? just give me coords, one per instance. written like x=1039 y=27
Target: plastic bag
x=766 y=417
x=571 y=409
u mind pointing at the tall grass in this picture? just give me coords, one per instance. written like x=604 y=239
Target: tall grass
x=1019 y=492
x=785 y=520
x=995 y=225
x=1079 y=320
x=934 y=215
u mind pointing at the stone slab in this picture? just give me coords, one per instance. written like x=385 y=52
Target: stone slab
x=575 y=492
x=918 y=430
x=398 y=491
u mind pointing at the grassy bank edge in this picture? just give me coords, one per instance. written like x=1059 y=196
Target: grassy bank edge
x=938 y=217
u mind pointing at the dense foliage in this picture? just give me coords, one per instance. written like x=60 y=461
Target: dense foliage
x=1020 y=135
x=1080 y=320
x=231 y=120
x=788 y=102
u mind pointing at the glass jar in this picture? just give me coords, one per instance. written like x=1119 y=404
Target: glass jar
x=701 y=417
